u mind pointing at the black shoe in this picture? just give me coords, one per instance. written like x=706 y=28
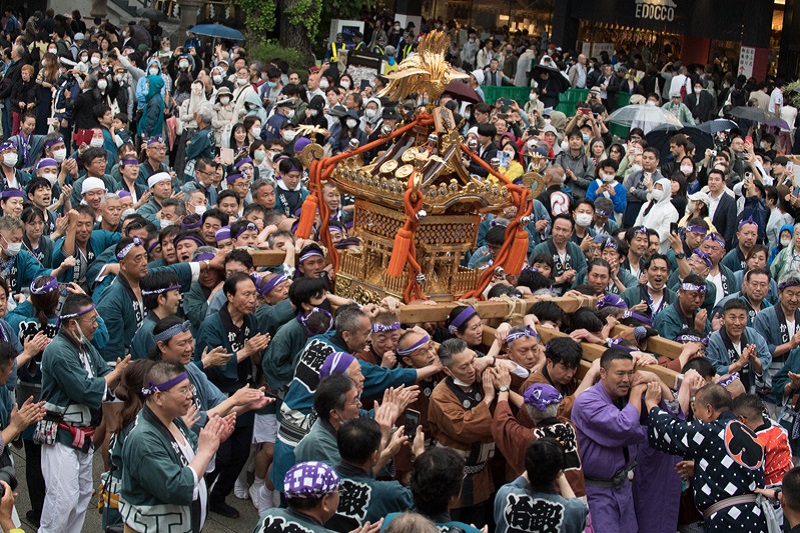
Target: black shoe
x=33 y=517
x=220 y=507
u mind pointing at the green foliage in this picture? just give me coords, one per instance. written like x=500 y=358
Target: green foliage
x=268 y=50
x=259 y=17
x=793 y=89
x=306 y=13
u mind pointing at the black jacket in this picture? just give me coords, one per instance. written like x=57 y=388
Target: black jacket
x=725 y=220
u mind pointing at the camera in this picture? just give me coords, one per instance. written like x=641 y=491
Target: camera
x=8 y=475
x=713 y=153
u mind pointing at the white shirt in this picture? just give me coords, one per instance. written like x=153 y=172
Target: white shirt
x=714 y=203
x=717 y=281
x=776 y=98
x=678 y=81
x=789 y=114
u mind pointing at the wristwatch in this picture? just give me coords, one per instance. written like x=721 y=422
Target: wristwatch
x=680 y=256
x=503 y=389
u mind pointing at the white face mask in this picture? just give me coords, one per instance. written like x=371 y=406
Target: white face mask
x=102 y=84
x=166 y=223
x=636 y=168
x=345 y=84
x=697 y=90
x=12 y=248
x=370 y=113
x=119 y=77
x=183 y=64
x=547 y=122
x=650 y=102
x=127 y=212
x=658 y=194
x=53 y=51
x=10 y=160
x=288 y=135
x=690 y=207
x=323 y=83
x=351 y=123
x=241 y=81
x=81 y=338
x=85 y=59
x=786 y=242
x=217 y=78
x=50 y=177
x=255 y=132
x=687 y=169
x=290 y=114
x=224 y=100
x=60 y=155
x=607 y=177
x=96 y=142
x=583 y=219
x=532 y=97
x=95 y=61
x=153 y=71
x=259 y=155
x=313 y=112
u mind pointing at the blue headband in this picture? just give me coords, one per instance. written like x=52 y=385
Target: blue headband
x=381 y=328
x=171 y=331
x=128 y=247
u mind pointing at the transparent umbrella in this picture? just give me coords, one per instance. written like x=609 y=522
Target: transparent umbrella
x=646 y=117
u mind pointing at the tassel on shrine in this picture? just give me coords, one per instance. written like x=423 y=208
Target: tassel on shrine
x=402 y=245
x=307 y=214
x=518 y=253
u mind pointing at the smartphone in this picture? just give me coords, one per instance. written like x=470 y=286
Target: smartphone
x=673 y=227
x=790 y=167
x=678 y=381
x=506 y=102
x=62 y=287
x=748 y=139
x=586 y=111
x=412 y=422
x=226 y=156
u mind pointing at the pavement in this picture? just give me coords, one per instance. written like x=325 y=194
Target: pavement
x=214 y=523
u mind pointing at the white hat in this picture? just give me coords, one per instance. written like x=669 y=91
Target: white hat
x=79 y=37
x=473 y=130
x=700 y=196
x=90 y=184
x=478 y=73
x=157 y=178
x=552 y=129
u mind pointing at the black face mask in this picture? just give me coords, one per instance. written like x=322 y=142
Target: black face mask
x=326 y=305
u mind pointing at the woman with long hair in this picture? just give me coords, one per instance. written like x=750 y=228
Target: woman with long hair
x=238 y=138
x=679 y=199
x=46 y=80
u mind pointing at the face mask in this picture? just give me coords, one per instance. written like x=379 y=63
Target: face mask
x=199 y=209
x=658 y=194
x=255 y=132
x=323 y=84
x=786 y=242
x=53 y=51
x=95 y=61
x=313 y=112
x=345 y=84
x=12 y=248
x=547 y=122
x=119 y=77
x=10 y=160
x=85 y=59
x=290 y=114
x=166 y=48
x=102 y=84
x=351 y=123
x=82 y=339
x=697 y=90
x=607 y=178
x=60 y=155
x=217 y=78
x=764 y=146
x=585 y=137
x=690 y=207
x=96 y=142
x=272 y=84
x=259 y=155
x=650 y=102
x=166 y=223
x=50 y=177
x=289 y=135
x=183 y=64
x=532 y=97
x=224 y=100
x=583 y=219
x=636 y=168
x=687 y=169
x=241 y=81
x=153 y=71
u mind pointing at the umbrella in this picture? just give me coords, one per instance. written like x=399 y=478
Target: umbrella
x=647 y=117
x=218 y=31
x=462 y=92
x=756 y=114
x=659 y=138
x=151 y=14
x=554 y=74
x=715 y=126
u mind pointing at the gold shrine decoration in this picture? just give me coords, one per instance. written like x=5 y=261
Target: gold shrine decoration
x=423 y=72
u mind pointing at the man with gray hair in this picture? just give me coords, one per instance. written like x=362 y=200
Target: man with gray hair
x=203 y=142
x=263 y=192
x=554 y=199
x=110 y=213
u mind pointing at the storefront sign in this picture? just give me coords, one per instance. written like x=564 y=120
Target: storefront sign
x=747 y=58
x=658 y=10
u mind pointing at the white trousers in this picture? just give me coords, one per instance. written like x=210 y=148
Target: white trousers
x=68 y=478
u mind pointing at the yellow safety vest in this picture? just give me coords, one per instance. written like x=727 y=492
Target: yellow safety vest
x=335 y=51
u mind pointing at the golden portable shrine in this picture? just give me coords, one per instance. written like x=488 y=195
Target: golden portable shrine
x=417 y=208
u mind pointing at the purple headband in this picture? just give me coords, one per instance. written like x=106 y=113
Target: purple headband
x=153 y=388
x=381 y=328
x=791 y=282
x=242 y=161
x=222 y=233
x=611 y=300
x=12 y=193
x=128 y=247
x=180 y=238
x=610 y=243
x=748 y=220
x=603 y=214
x=51 y=142
x=640 y=230
x=50 y=285
x=425 y=339
x=272 y=283
x=462 y=317
x=170 y=332
x=633 y=314
x=70 y=316
x=154 y=140
x=249 y=227
x=619 y=343
x=334 y=229
x=204 y=257
x=293 y=169
x=192 y=225
x=235 y=176
x=153 y=246
x=124 y=194
x=309 y=254
x=161 y=290
x=684 y=338
x=704 y=256
x=46 y=162
x=126 y=162
x=311 y=480
x=335 y=363
x=714 y=237
x=727 y=380
x=697 y=229
x=527 y=332
x=692 y=287
x=304 y=319
x=6 y=145
x=540 y=395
